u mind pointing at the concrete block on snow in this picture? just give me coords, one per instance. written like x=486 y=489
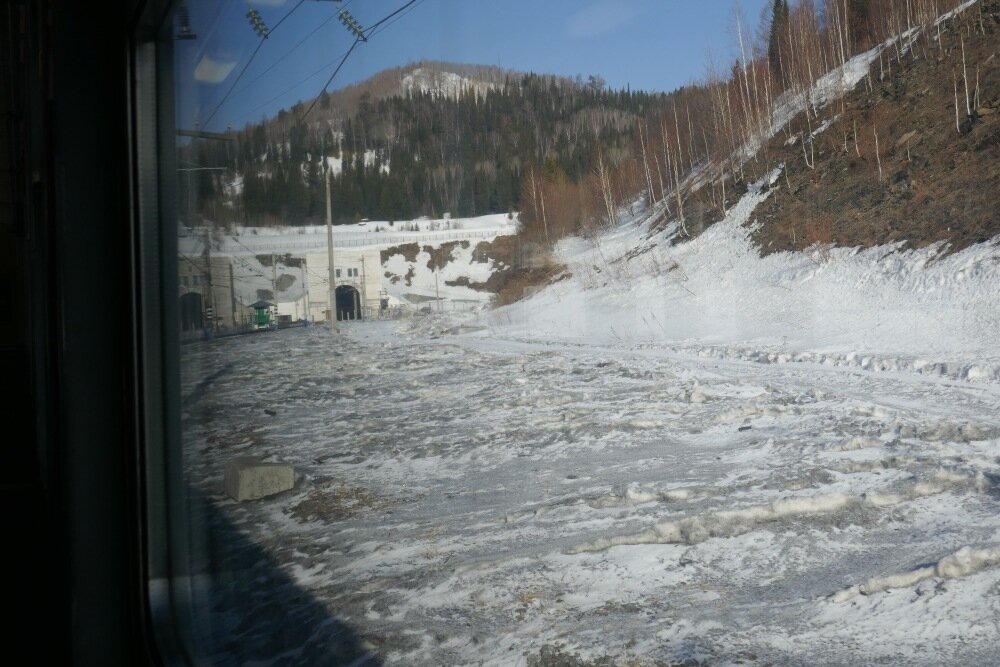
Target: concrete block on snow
x=249 y=478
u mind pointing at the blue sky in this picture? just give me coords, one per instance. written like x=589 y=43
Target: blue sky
x=655 y=45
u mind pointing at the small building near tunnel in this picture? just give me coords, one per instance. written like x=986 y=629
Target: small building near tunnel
x=206 y=293
x=358 y=283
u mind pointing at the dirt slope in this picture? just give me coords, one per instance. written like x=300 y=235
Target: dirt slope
x=937 y=183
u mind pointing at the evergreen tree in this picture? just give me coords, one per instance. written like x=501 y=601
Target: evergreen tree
x=779 y=24
x=422 y=154
x=859 y=22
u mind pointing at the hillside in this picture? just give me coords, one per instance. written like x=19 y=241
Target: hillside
x=427 y=76
x=820 y=261
x=426 y=139
x=936 y=175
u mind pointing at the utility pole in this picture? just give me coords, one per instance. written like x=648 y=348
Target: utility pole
x=210 y=300
x=364 y=293
x=332 y=294
x=274 y=279
x=232 y=294
x=305 y=284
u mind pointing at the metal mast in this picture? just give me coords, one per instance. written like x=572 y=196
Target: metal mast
x=332 y=294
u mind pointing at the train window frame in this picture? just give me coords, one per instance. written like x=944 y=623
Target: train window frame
x=167 y=551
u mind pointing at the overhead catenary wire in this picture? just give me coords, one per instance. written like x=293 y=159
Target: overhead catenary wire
x=330 y=80
x=295 y=85
x=250 y=268
x=250 y=60
x=206 y=272
x=366 y=34
x=382 y=26
x=321 y=278
x=389 y=16
x=289 y=52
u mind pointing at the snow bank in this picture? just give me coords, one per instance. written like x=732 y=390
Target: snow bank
x=878 y=309
x=728 y=523
x=962 y=563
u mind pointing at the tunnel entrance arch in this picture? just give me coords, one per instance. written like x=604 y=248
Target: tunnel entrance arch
x=191 y=311
x=348 y=303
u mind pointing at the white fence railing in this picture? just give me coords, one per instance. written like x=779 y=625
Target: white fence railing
x=417 y=237
x=242 y=245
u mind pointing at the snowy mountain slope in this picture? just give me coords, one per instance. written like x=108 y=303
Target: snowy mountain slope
x=441 y=83
x=885 y=307
x=881 y=307
x=901 y=156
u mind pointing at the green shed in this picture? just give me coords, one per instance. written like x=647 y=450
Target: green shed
x=263 y=314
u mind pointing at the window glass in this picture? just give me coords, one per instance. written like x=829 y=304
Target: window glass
x=670 y=334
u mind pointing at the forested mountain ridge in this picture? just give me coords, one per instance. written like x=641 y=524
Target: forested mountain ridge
x=423 y=140
x=571 y=154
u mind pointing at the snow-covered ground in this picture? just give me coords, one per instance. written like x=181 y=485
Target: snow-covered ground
x=464 y=497
x=680 y=453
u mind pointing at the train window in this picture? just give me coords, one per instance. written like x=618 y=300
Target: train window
x=574 y=333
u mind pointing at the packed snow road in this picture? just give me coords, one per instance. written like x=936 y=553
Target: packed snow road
x=468 y=499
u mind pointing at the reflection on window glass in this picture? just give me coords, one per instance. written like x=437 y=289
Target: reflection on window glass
x=590 y=333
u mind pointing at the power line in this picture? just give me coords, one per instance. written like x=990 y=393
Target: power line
x=252 y=56
x=286 y=54
x=249 y=267
x=363 y=36
x=319 y=277
x=394 y=19
x=381 y=26
x=380 y=22
x=192 y=262
x=330 y=80
x=316 y=73
x=246 y=264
